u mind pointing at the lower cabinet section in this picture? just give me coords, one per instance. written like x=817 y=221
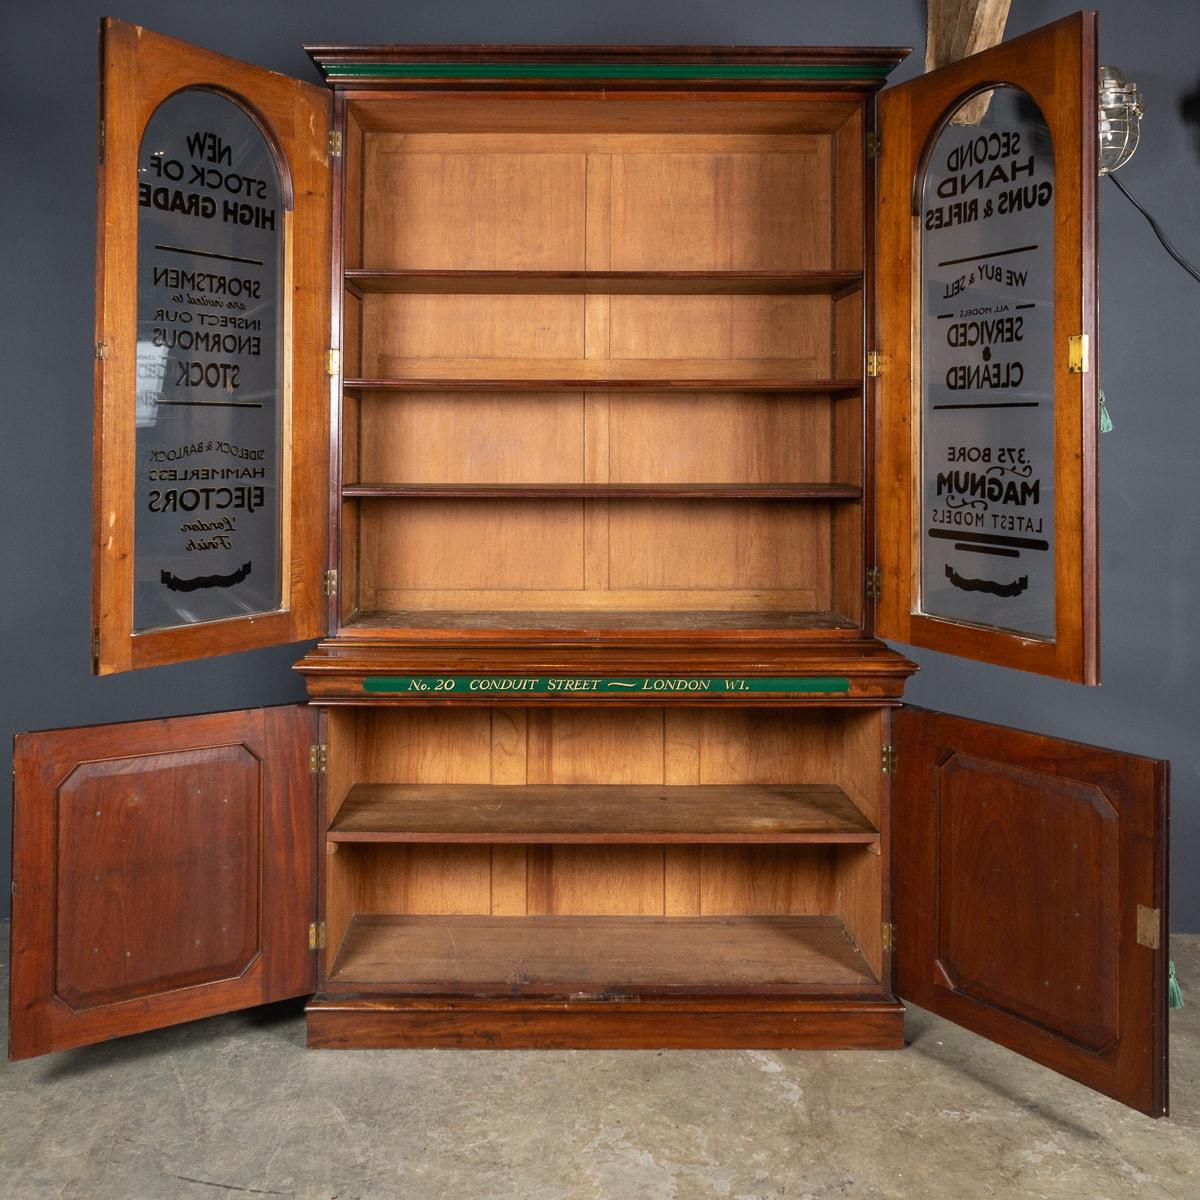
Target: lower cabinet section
x=693 y=875
x=620 y=877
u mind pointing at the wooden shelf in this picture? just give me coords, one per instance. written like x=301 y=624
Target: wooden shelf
x=603 y=491
x=592 y=813
x=600 y=956
x=574 y=620
x=578 y=382
x=629 y=283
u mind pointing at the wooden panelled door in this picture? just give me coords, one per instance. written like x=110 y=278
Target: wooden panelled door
x=162 y=871
x=1030 y=897
x=987 y=421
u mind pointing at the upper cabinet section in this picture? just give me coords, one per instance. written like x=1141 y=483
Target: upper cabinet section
x=602 y=342
x=212 y=314
x=986 y=500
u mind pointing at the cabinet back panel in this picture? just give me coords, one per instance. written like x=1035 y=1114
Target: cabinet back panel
x=509 y=336
x=595 y=880
x=741 y=209
x=579 y=437
x=500 y=546
x=590 y=880
x=423 y=879
x=469 y=437
x=475 y=211
x=428 y=745
x=573 y=201
x=590 y=746
x=767 y=880
x=740 y=545
x=648 y=745
x=633 y=881
x=399 y=329
x=791 y=329
x=606 y=554
x=715 y=438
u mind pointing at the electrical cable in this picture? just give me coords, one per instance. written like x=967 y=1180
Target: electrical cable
x=1158 y=233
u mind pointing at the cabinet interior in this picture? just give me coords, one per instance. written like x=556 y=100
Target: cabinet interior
x=602 y=365
x=511 y=849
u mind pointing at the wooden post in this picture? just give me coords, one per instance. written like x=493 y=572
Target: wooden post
x=957 y=28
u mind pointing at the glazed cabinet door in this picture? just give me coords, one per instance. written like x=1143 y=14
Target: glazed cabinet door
x=162 y=871
x=212 y=320
x=986 y=399
x=1030 y=897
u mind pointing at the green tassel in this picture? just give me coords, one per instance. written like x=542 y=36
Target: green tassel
x=1105 y=419
x=1174 y=991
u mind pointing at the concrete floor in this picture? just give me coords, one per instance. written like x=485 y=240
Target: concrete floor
x=235 y=1106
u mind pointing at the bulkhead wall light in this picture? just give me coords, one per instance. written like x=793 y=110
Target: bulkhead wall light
x=1120 y=119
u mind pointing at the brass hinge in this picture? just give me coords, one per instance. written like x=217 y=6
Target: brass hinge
x=330 y=583
x=1149 y=922
x=100 y=140
x=874 y=364
x=874 y=143
x=335 y=143
x=318 y=758
x=874 y=586
x=887 y=760
x=316 y=935
x=333 y=361
x=1077 y=354
x=101 y=351
x=95 y=649
x=889 y=937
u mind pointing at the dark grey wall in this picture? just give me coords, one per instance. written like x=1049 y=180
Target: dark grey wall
x=1151 y=567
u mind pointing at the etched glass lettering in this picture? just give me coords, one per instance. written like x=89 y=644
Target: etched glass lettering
x=207 y=541
x=987 y=370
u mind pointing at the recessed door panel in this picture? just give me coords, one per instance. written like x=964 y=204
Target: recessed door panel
x=157 y=873
x=1021 y=850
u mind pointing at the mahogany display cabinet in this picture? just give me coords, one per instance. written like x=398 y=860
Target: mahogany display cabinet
x=602 y=408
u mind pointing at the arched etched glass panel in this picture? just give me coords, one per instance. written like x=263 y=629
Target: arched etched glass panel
x=987 y=536
x=207 y=526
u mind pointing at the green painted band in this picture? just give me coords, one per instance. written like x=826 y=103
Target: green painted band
x=470 y=70
x=644 y=686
